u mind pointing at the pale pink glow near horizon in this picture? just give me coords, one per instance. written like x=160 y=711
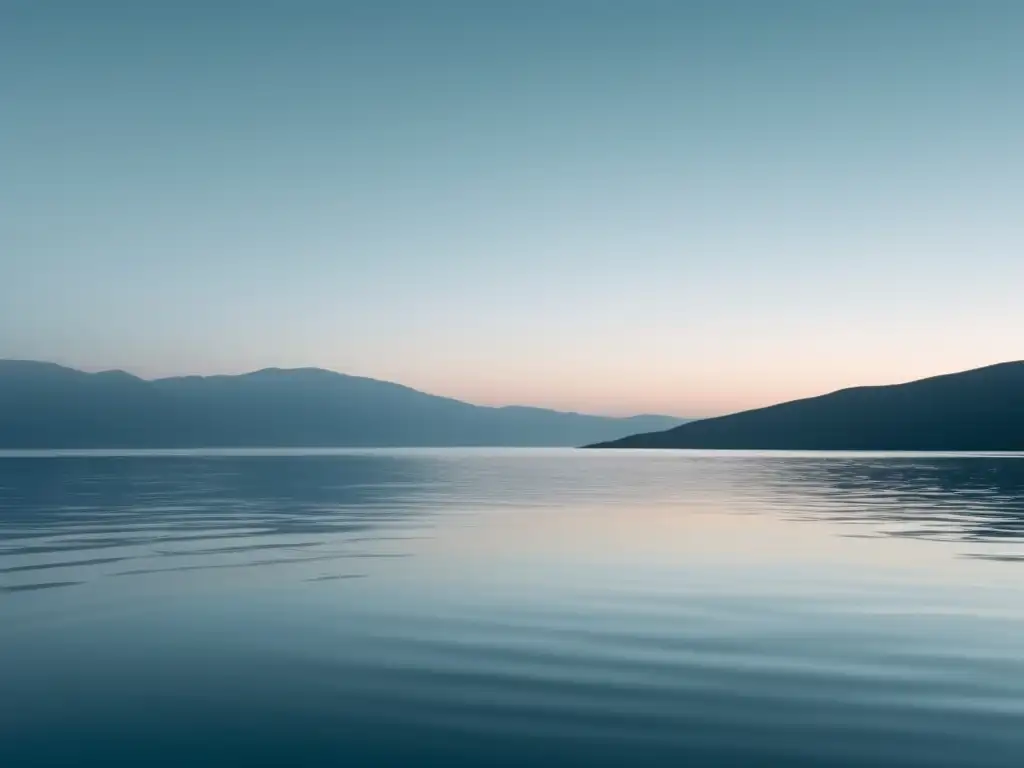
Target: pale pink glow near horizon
x=698 y=398
x=695 y=389
x=700 y=387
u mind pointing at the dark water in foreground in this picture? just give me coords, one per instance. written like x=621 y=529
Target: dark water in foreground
x=512 y=608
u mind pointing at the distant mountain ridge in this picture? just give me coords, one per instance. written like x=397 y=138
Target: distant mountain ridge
x=45 y=405
x=977 y=410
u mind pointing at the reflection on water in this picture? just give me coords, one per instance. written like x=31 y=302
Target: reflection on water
x=504 y=607
x=977 y=499
x=153 y=515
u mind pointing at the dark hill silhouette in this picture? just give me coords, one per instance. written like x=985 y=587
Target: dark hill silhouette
x=43 y=405
x=977 y=410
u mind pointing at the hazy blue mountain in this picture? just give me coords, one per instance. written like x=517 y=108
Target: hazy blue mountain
x=977 y=410
x=43 y=405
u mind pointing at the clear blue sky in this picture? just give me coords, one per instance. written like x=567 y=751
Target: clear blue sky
x=639 y=205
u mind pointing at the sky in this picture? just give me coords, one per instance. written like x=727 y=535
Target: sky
x=608 y=206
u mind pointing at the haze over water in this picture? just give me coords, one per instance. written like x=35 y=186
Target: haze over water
x=510 y=607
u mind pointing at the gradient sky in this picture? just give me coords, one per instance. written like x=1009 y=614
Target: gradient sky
x=683 y=207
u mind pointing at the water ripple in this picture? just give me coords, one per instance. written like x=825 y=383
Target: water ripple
x=511 y=608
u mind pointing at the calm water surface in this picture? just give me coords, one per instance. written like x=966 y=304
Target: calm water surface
x=511 y=608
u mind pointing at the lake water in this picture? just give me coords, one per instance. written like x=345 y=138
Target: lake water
x=498 y=607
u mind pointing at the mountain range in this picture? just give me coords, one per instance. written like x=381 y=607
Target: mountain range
x=976 y=410
x=44 y=405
